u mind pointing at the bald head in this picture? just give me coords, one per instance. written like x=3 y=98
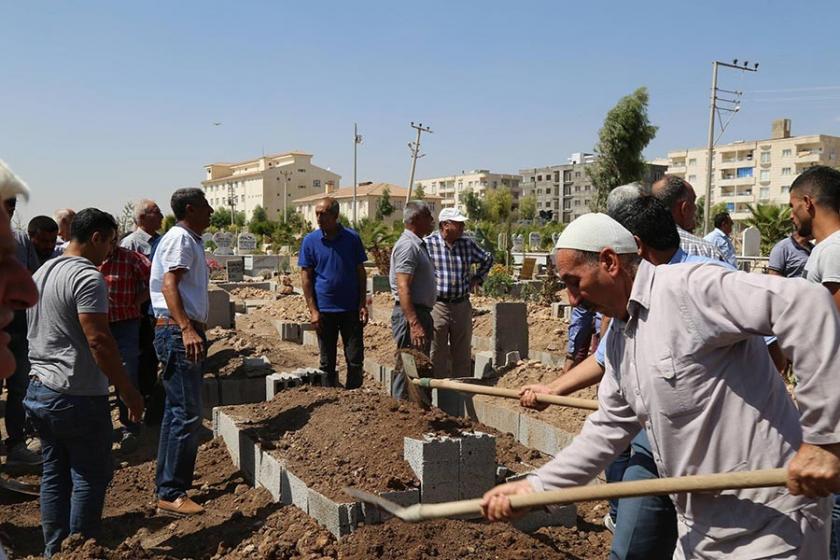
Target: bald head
x=64 y=218
x=677 y=194
x=326 y=212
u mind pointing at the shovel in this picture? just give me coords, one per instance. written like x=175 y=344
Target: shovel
x=675 y=485
x=573 y=402
x=12 y=485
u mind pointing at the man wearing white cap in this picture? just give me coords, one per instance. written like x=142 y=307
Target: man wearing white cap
x=453 y=256
x=689 y=369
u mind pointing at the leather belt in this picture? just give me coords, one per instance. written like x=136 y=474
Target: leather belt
x=168 y=322
x=452 y=300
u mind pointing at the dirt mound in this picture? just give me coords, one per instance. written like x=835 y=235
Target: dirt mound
x=252 y=293
x=228 y=350
x=332 y=438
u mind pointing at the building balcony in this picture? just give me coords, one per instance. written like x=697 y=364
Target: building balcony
x=807 y=156
x=734 y=181
x=735 y=163
x=674 y=169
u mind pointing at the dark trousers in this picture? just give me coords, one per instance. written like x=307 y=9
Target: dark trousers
x=348 y=325
x=127 y=335
x=150 y=386
x=181 y=425
x=75 y=434
x=16 y=386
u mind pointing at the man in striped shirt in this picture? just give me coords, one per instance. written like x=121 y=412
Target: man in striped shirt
x=678 y=196
x=453 y=256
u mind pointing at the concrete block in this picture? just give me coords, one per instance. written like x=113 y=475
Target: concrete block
x=388 y=374
x=510 y=329
x=317 y=377
x=377 y=284
x=339 y=519
x=484 y=362
x=482 y=343
x=373 y=369
x=273 y=385
x=310 y=338
x=545 y=437
x=258 y=361
x=451 y=402
x=288 y=331
x=239 y=307
x=270 y=475
x=294 y=491
x=555 y=516
x=497 y=417
x=220 y=313
x=436 y=462
x=477 y=466
x=561 y=310
x=372 y=515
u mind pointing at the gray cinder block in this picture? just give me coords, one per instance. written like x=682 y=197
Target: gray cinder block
x=310 y=338
x=484 y=362
x=270 y=475
x=555 y=516
x=477 y=472
x=436 y=462
x=339 y=519
x=498 y=417
x=372 y=515
x=545 y=437
x=510 y=329
x=294 y=491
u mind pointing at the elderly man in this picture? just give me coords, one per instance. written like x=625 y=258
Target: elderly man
x=708 y=397
x=43 y=232
x=412 y=277
x=720 y=237
x=453 y=257
x=19 y=455
x=147 y=219
x=74 y=359
x=178 y=288
x=332 y=269
x=63 y=217
x=678 y=196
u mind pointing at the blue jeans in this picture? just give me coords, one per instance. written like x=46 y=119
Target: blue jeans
x=615 y=473
x=127 y=335
x=179 y=430
x=16 y=386
x=835 y=529
x=646 y=528
x=75 y=437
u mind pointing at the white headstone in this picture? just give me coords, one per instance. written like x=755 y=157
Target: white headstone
x=554 y=237
x=518 y=242
x=751 y=242
x=246 y=243
x=502 y=242
x=534 y=241
x=224 y=243
x=207 y=237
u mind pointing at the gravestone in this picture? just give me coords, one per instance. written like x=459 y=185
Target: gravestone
x=554 y=237
x=528 y=265
x=534 y=241
x=751 y=242
x=502 y=242
x=246 y=243
x=224 y=243
x=518 y=243
x=235 y=270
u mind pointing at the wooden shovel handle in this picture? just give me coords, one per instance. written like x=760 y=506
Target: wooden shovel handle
x=674 y=485
x=573 y=402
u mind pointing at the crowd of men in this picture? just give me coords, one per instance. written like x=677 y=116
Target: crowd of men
x=687 y=355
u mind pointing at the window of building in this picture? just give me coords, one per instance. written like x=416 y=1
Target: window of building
x=744 y=172
x=577 y=174
x=577 y=189
x=786 y=170
x=787 y=152
x=765 y=157
x=586 y=202
x=785 y=189
x=301 y=170
x=764 y=193
x=539 y=177
x=577 y=202
x=300 y=187
x=692 y=161
x=764 y=175
x=692 y=178
x=316 y=183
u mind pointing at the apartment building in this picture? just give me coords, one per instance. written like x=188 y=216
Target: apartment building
x=368 y=196
x=263 y=182
x=755 y=171
x=566 y=191
x=450 y=189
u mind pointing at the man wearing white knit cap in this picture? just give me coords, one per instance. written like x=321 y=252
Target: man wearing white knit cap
x=689 y=369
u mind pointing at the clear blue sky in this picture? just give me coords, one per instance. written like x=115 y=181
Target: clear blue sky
x=105 y=102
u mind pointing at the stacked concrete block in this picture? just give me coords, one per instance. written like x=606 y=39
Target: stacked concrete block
x=339 y=519
x=484 y=365
x=453 y=403
x=372 y=515
x=510 y=329
x=293 y=491
x=498 y=417
x=244 y=452
x=220 y=312
x=310 y=338
x=545 y=437
x=270 y=475
x=221 y=391
x=561 y=310
x=477 y=465
x=378 y=284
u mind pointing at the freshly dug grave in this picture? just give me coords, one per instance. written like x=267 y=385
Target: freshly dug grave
x=228 y=350
x=544 y=333
x=332 y=438
x=252 y=293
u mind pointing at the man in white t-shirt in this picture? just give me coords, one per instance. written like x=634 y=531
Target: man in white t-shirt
x=815 y=211
x=178 y=289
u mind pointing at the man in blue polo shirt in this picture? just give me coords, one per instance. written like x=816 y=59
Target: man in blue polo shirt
x=334 y=282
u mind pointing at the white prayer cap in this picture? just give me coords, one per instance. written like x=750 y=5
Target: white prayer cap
x=595 y=232
x=10 y=184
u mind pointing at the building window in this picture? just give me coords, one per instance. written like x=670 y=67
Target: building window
x=765 y=157
x=577 y=174
x=787 y=152
x=577 y=189
x=764 y=175
x=786 y=170
x=764 y=193
x=745 y=172
x=316 y=183
x=730 y=206
x=586 y=202
x=692 y=178
x=785 y=189
x=692 y=161
x=577 y=202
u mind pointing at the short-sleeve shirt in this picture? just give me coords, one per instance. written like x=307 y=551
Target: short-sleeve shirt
x=140 y=241
x=823 y=265
x=334 y=263
x=127 y=274
x=411 y=257
x=58 y=348
x=788 y=258
x=181 y=248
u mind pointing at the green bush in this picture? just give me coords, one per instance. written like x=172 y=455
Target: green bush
x=499 y=282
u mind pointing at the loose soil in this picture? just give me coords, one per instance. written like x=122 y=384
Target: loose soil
x=331 y=438
x=544 y=333
x=229 y=348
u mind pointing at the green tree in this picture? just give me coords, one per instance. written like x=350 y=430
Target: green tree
x=716 y=208
x=384 y=208
x=378 y=239
x=772 y=222
x=528 y=207
x=169 y=221
x=625 y=134
x=499 y=208
x=419 y=192
x=126 y=222
x=476 y=209
x=260 y=224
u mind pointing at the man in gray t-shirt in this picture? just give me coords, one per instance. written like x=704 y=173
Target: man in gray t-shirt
x=413 y=286
x=788 y=256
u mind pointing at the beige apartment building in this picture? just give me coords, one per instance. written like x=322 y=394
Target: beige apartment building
x=755 y=171
x=368 y=196
x=450 y=189
x=263 y=181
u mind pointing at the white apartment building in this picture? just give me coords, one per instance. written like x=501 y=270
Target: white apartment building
x=453 y=187
x=368 y=196
x=755 y=171
x=263 y=181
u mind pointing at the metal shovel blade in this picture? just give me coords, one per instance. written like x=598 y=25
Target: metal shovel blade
x=409 y=365
x=394 y=509
x=11 y=485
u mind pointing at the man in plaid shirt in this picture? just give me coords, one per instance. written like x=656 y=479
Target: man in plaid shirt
x=127 y=274
x=453 y=256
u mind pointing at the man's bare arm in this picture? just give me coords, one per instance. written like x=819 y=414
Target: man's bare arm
x=193 y=344
x=418 y=335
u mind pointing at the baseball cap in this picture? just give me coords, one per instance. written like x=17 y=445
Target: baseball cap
x=595 y=232
x=10 y=184
x=451 y=215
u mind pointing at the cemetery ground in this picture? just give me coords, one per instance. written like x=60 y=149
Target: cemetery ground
x=329 y=438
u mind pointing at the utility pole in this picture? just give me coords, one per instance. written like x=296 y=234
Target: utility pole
x=232 y=203
x=286 y=174
x=357 y=139
x=713 y=108
x=415 y=154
